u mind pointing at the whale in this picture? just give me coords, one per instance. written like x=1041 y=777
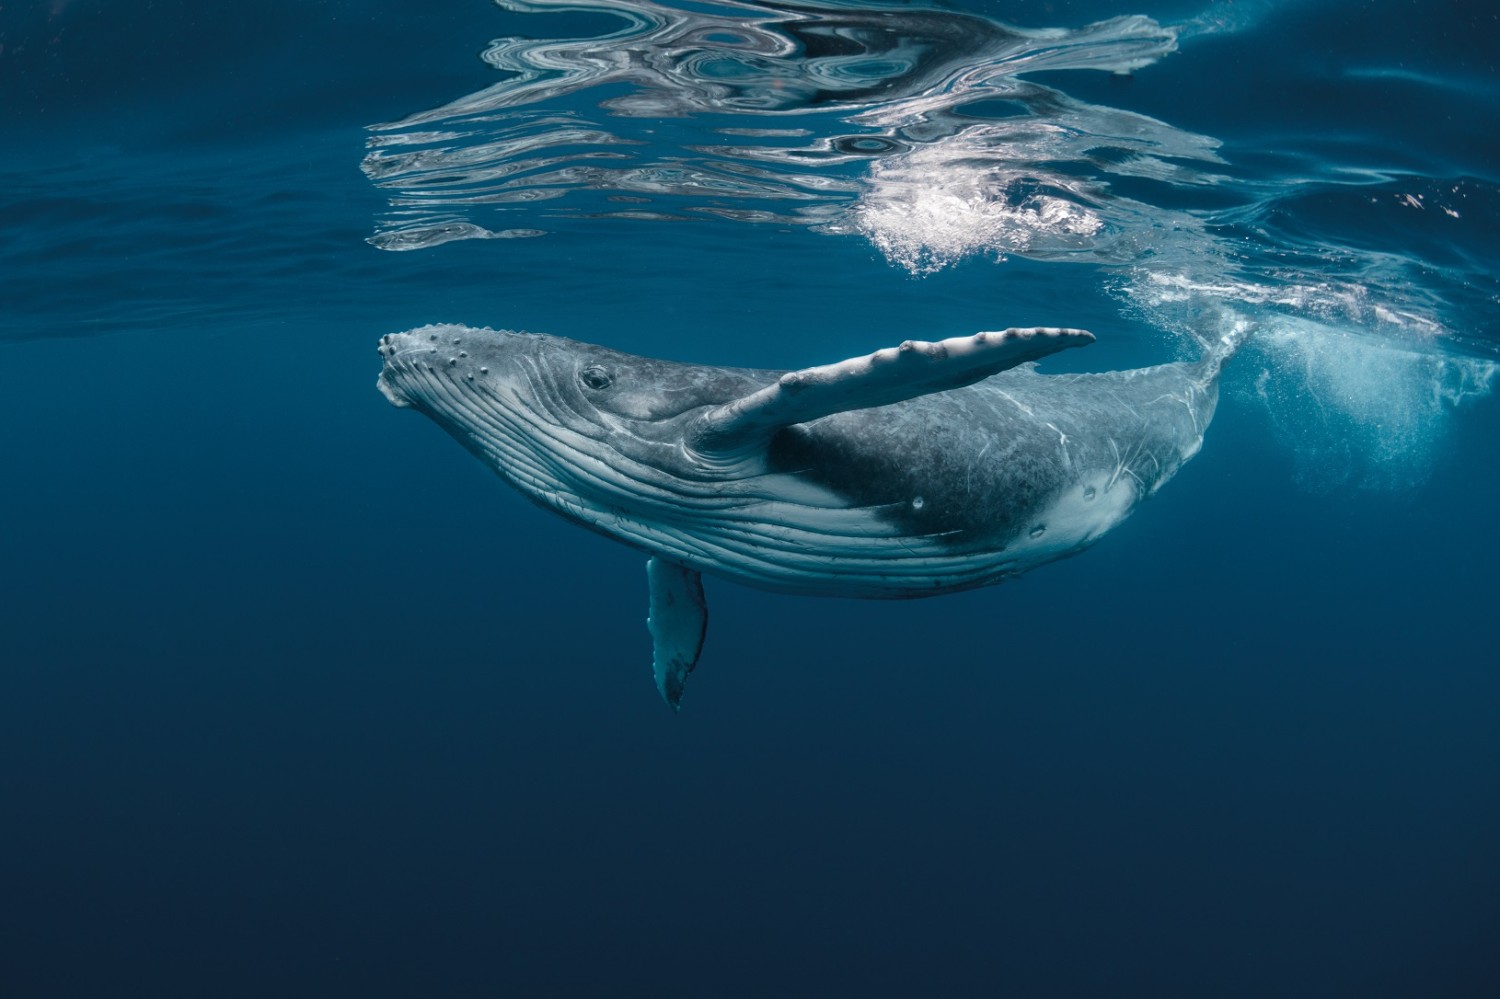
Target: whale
x=916 y=470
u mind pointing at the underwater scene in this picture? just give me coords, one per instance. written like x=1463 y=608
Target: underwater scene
x=962 y=498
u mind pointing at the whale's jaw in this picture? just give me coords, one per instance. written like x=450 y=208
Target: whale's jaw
x=392 y=391
x=399 y=353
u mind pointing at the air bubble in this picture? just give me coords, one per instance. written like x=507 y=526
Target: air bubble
x=918 y=502
x=1088 y=492
x=1038 y=530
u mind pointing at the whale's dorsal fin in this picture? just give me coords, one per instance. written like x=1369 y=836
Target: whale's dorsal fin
x=893 y=374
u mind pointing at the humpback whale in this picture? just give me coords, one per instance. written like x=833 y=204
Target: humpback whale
x=916 y=470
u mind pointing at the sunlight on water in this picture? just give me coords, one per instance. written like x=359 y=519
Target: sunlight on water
x=924 y=132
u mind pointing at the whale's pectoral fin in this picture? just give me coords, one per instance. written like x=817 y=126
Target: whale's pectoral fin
x=679 y=618
x=891 y=375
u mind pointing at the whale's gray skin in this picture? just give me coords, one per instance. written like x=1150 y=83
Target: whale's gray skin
x=917 y=470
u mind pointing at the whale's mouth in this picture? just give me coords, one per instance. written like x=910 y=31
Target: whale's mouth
x=390 y=345
x=392 y=394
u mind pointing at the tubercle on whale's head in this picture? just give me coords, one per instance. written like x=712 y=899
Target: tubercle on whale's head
x=472 y=381
x=464 y=350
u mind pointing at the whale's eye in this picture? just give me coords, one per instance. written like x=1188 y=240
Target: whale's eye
x=595 y=377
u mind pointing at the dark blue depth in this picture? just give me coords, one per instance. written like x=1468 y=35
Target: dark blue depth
x=296 y=699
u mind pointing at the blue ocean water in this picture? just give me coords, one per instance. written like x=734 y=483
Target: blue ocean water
x=297 y=698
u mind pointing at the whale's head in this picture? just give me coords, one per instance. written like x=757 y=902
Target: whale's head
x=578 y=427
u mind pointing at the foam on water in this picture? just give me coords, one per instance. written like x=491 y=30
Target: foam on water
x=924 y=219
x=1224 y=17
x=1360 y=397
x=1357 y=410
